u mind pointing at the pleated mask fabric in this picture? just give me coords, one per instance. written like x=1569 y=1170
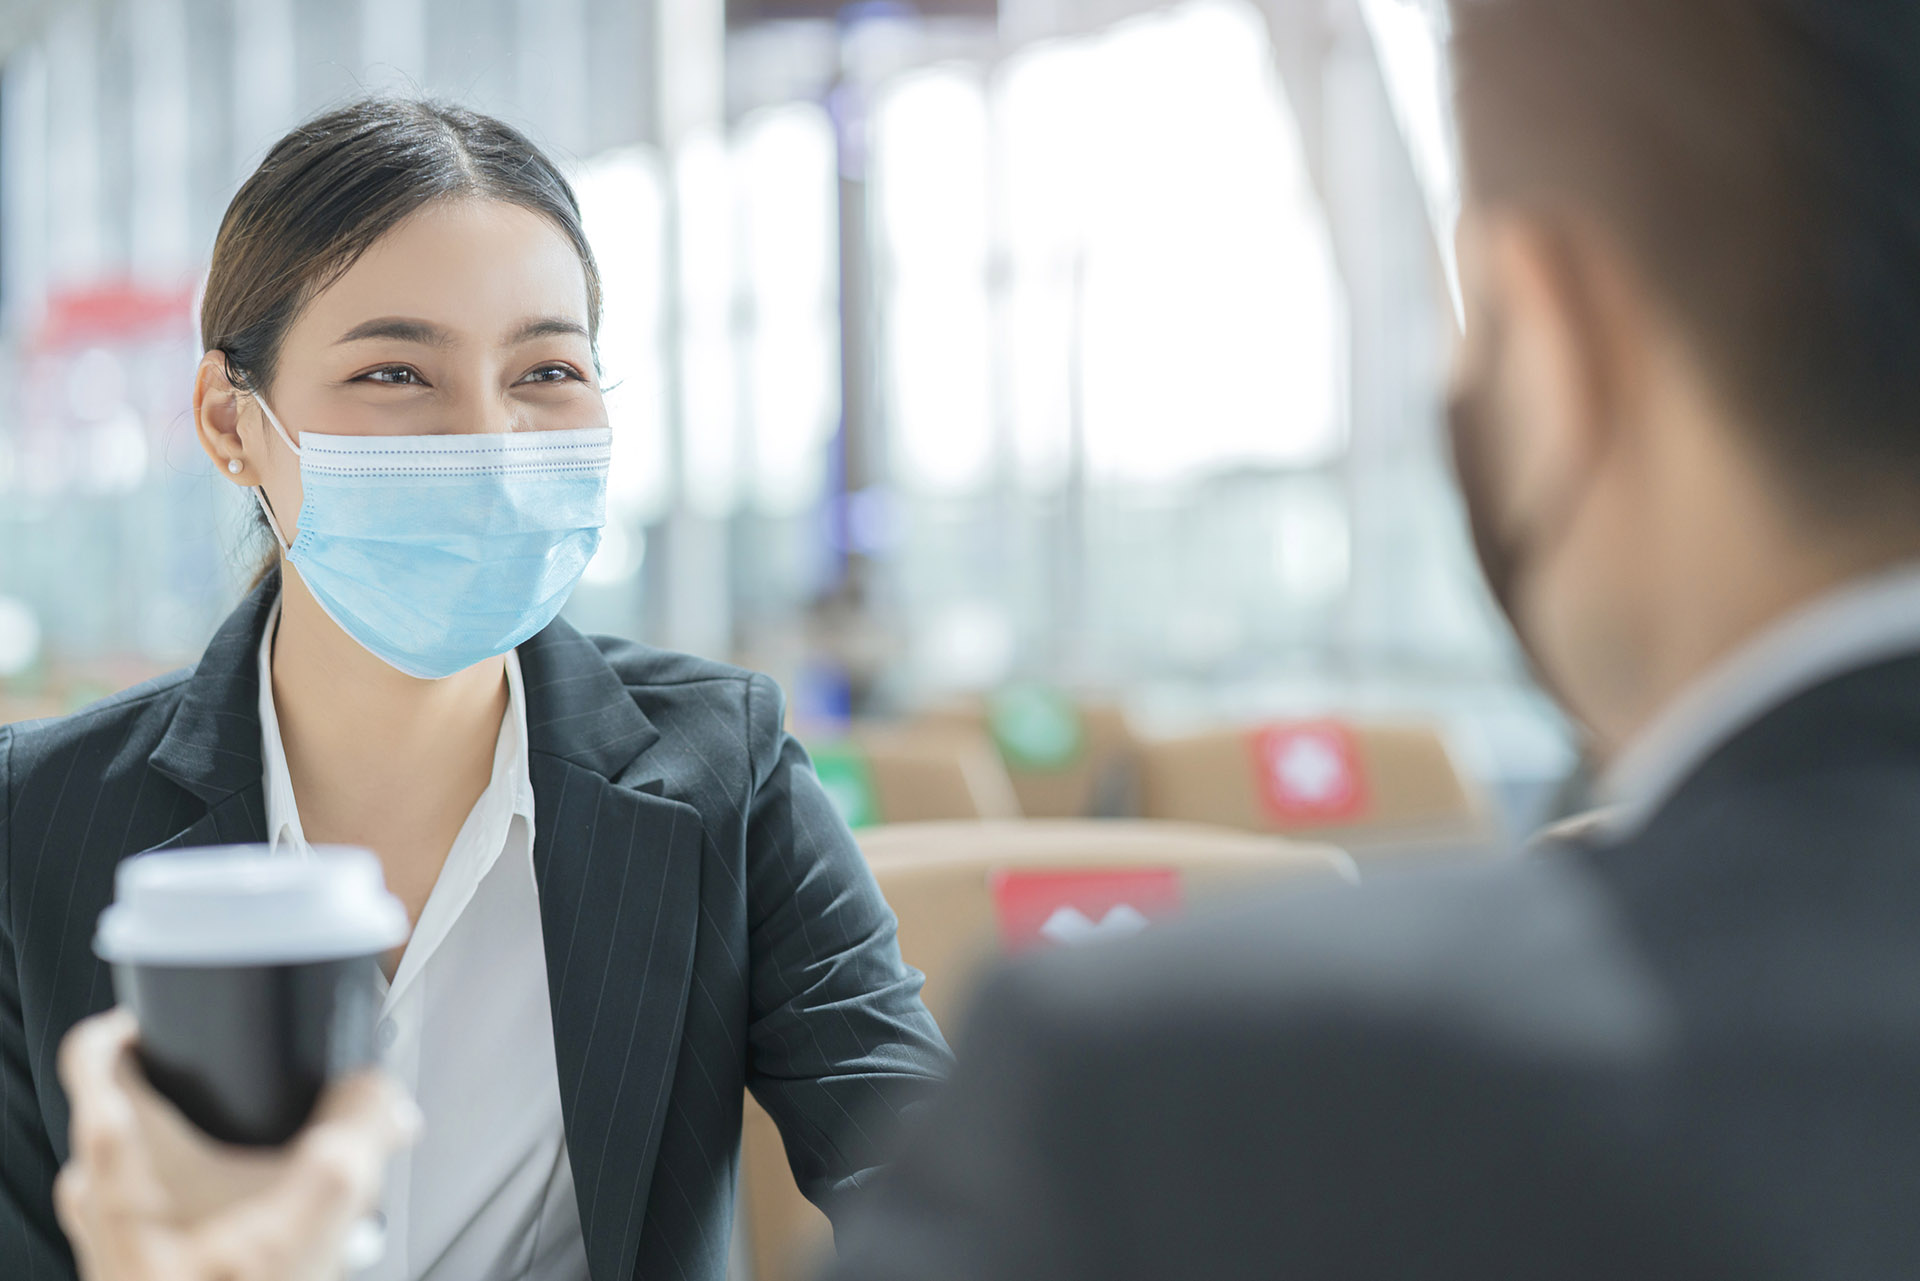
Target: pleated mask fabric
x=438 y=552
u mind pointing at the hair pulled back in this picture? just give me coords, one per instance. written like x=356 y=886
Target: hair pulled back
x=333 y=186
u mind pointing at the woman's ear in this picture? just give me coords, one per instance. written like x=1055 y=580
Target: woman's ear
x=216 y=420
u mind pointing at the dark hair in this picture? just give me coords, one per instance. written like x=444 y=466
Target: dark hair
x=1760 y=162
x=332 y=187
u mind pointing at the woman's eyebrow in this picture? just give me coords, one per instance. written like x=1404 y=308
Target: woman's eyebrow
x=424 y=332
x=549 y=327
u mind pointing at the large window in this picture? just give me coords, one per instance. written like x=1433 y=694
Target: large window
x=1114 y=355
x=1133 y=215
x=621 y=206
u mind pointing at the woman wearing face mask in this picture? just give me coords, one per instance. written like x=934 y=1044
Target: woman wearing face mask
x=631 y=897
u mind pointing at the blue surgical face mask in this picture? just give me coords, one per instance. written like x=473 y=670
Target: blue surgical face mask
x=439 y=552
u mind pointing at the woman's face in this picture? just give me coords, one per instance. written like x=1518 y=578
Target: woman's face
x=468 y=317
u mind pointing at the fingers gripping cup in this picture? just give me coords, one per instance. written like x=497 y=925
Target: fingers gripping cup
x=254 y=978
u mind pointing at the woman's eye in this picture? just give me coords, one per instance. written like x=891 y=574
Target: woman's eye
x=393 y=376
x=552 y=374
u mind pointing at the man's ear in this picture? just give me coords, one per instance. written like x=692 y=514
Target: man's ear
x=216 y=419
x=1573 y=365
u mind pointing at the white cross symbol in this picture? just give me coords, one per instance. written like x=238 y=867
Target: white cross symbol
x=1069 y=925
x=1311 y=770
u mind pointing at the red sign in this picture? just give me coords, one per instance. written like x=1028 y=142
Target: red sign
x=1043 y=909
x=122 y=312
x=1310 y=774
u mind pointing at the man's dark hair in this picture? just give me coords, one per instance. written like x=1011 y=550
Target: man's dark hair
x=1760 y=162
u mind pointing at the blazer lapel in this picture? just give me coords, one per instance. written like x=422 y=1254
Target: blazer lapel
x=618 y=869
x=85 y=989
x=240 y=819
x=212 y=749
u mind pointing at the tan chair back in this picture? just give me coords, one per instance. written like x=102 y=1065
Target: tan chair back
x=938 y=878
x=924 y=776
x=1373 y=788
x=1096 y=780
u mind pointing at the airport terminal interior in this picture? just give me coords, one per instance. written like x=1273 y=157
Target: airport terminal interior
x=1048 y=394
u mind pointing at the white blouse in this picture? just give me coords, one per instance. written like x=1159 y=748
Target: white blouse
x=487 y=1193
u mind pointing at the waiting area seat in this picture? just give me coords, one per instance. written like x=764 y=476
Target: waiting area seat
x=1377 y=789
x=885 y=774
x=966 y=891
x=1068 y=756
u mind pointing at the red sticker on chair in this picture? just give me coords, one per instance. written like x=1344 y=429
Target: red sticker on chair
x=1045 y=909
x=1310 y=774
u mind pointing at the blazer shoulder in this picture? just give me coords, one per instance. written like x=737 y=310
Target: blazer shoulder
x=135 y=719
x=1529 y=953
x=641 y=667
x=702 y=702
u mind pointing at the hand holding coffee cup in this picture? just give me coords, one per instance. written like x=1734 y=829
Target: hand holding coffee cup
x=146 y=1195
x=254 y=978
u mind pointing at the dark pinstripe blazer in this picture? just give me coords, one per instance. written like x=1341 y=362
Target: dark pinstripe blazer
x=709 y=925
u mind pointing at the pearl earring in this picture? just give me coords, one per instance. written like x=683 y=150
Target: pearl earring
x=234 y=466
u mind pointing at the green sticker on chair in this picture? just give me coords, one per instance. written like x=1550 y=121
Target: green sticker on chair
x=1036 y=728
x=848 y=779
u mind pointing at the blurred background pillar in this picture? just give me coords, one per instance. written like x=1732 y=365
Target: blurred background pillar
x=75 y=239
x=687 y=562
x=266 y=94
x=161 y=243
x=1395 y=290
x=393 y=45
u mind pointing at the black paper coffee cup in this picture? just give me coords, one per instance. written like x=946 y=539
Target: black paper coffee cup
x=253 y=976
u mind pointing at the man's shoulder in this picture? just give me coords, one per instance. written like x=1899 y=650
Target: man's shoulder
x=1529 y=953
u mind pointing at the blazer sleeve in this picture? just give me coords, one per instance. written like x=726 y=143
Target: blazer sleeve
x=30 y=1238
x=1004 y=1177
x=840 y=1046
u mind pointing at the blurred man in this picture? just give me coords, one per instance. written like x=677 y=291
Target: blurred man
x=1688 y=428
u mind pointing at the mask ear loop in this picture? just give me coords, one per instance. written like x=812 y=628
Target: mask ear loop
x=260 y=491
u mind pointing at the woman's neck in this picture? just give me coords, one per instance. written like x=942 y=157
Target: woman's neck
x=376 y=757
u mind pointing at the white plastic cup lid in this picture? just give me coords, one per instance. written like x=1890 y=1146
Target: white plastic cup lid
x=241 y=905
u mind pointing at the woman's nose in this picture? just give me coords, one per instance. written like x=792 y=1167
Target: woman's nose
x=490 y=414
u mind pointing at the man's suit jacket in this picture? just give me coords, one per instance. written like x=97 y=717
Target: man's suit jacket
x=709 y=925
x=1692 y=1053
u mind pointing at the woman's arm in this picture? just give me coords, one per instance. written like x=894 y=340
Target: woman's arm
x=839 y=1046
